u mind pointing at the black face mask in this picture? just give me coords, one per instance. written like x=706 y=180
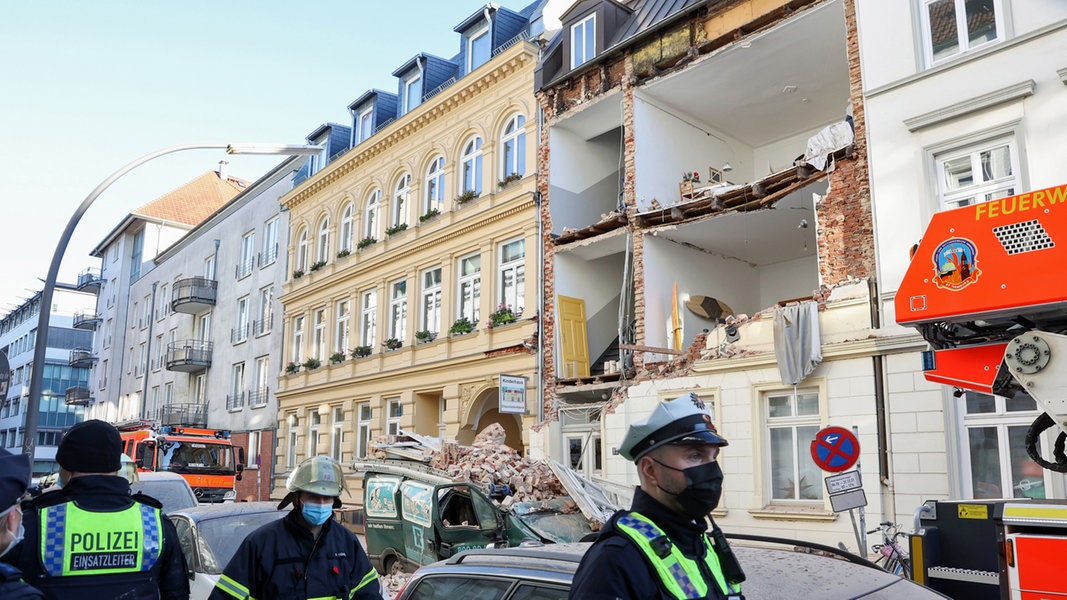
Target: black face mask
x=703 y=487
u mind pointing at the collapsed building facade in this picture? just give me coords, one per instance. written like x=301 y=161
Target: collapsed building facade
x=704 y=181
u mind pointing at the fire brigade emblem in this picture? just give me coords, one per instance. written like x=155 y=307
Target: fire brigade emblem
x=956 y=264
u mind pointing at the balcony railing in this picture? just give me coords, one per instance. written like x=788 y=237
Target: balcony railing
x=82 y=357
x=193 y=295
x=188 y=415
x=88 y=321
x=235 y=401
x=89 y=280
x=239 y=334
x=245 y=267
x=189 y=356
x=79 y=396
x=268 y=256
x=262 y=326
x=258 y=397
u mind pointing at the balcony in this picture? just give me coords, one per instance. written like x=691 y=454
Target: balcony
x=79 y=396
x=258 y=397
x=187 y=415
x=189 y=356
x=88 y=321
x=89 y=280
x=239 y=334
x=82 y=357
x=193 y=295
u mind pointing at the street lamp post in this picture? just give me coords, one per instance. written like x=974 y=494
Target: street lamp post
x=29 y=438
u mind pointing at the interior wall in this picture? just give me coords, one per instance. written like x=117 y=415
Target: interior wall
x=788 y=279
x=669 y=147
x=779 y=155
x=598 y=282
x=585 y=177
x=696 y=273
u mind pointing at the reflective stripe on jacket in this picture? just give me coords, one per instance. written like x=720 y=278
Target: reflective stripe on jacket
x=680 y=575
x=79 y=542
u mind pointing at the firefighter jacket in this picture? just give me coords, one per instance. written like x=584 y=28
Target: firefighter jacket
x=283 y=560
x=92 y=539
x=651 y=552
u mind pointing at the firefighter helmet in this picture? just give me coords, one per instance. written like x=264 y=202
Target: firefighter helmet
x=319 y=475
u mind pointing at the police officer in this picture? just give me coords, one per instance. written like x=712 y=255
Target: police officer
x=660 y=549
x=91 y=539
x=14 y=481
x=305 y=554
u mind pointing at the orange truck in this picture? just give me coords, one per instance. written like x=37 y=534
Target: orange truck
x=204 y=457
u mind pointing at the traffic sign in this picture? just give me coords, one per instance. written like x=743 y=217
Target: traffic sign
x=835 y=449
x=848 y=500
x=843 y=482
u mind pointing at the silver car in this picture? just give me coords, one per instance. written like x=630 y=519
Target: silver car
x=169 y=488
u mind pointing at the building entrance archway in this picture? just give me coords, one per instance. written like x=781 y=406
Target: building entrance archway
x=484 y=411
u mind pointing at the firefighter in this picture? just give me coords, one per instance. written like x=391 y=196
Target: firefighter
x=305 y=554
x=91 y=539
x=660 y=548
x=14 y=482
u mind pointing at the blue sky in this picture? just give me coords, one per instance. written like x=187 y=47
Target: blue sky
x=86 y=87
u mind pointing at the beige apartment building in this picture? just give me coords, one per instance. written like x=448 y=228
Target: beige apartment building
x=424 y=227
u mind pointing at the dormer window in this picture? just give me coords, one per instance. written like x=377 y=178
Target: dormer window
x=583 y=41
x=318 y=161
x=364 y=122
x=478 y=48
x=411 y=92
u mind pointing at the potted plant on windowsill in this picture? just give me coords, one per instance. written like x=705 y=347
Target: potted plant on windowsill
x=466 y=196
x=360 y=351
x=425 y=335
x=317 y=265
x=366 y=242
x=312 y=364
x=395 y=229
x=291 y=368
x=430 y=214
x=297 y=274
x=512 y=177
x=337 y=358
x=502 y=315
x=392 y=344
x=462 y=326
x=344 y=253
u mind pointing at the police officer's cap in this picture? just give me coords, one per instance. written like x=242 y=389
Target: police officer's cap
x=684 y=420
x=14 y=478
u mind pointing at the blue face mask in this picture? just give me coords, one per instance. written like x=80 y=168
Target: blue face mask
x=316 y=514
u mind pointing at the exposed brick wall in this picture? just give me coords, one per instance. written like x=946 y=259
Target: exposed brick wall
x=846 y=226
x=548 y=317
x=247 y=487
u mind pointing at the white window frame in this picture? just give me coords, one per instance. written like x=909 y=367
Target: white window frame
x=583 y=33
x=343 y=313
x=513 y=147
x=364 y=124
x=468 y=305
x=410 y=92
x=394 y=412
x=157 y=360
x=314 y=430
x=322 y=241
x=962 y=35
x=513 y=271
x=1000 y=419
x=235 y=400
x=368 y=320
x=302 y=250
x=240 y=329
x=371 y=213
x=471 y=166
x=401 y=199
x=270 y=243
x=255 y=443
x=248 y=255
x=337 y=432
x=266 y=310
x=298 y=338
x=477 y=36
x=981 y=191
x=430 y=301
x=802 y=428
x=318 y=319
x=262 y=380
x=583 y=425
x=204 y=328
x=294 y=430
x=348 y=221
x=398 y=308
x=209 y=267
x=163 y=309
x=200 y=388
x=364 y=420
x=435 y=185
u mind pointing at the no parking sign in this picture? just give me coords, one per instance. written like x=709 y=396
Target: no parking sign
x=835 y=449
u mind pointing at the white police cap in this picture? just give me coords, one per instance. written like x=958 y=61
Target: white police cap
x=684 y=420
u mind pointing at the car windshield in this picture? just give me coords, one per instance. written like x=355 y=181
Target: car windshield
x=557 y=520
x=175 y=495
x=196 y=457
x=222 y=535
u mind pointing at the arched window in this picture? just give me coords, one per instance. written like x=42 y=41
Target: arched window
x=435 y=186
x=513 y=149
x=322 y=241
x=401 y=193
x=370 y=215
x=302 y=250
x=471 y=166
x=347 y=222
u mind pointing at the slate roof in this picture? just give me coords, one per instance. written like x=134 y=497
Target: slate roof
x=647 y=13
x=194 y=201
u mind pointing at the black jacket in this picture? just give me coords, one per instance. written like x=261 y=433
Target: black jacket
x=614 y=568
x=167 y=579
x=13 y=588
x=283 y=560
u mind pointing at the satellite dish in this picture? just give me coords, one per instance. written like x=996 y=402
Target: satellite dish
x=708 y=307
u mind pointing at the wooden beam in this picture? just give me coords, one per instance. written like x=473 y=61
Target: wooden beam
x=651 y=349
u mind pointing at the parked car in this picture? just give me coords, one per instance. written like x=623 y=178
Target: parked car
x=169 y=488
x=210 y=534
x=545 y=573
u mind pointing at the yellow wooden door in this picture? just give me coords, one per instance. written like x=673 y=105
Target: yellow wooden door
x=574 y=343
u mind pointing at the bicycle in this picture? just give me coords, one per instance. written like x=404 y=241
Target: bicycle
x=892 y=555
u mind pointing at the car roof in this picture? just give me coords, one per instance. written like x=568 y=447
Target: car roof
x=204 y=512
x=159 y=476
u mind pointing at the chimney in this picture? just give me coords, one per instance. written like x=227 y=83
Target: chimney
x=224 y=170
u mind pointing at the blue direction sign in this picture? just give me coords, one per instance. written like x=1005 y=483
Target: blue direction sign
x=835 y=449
